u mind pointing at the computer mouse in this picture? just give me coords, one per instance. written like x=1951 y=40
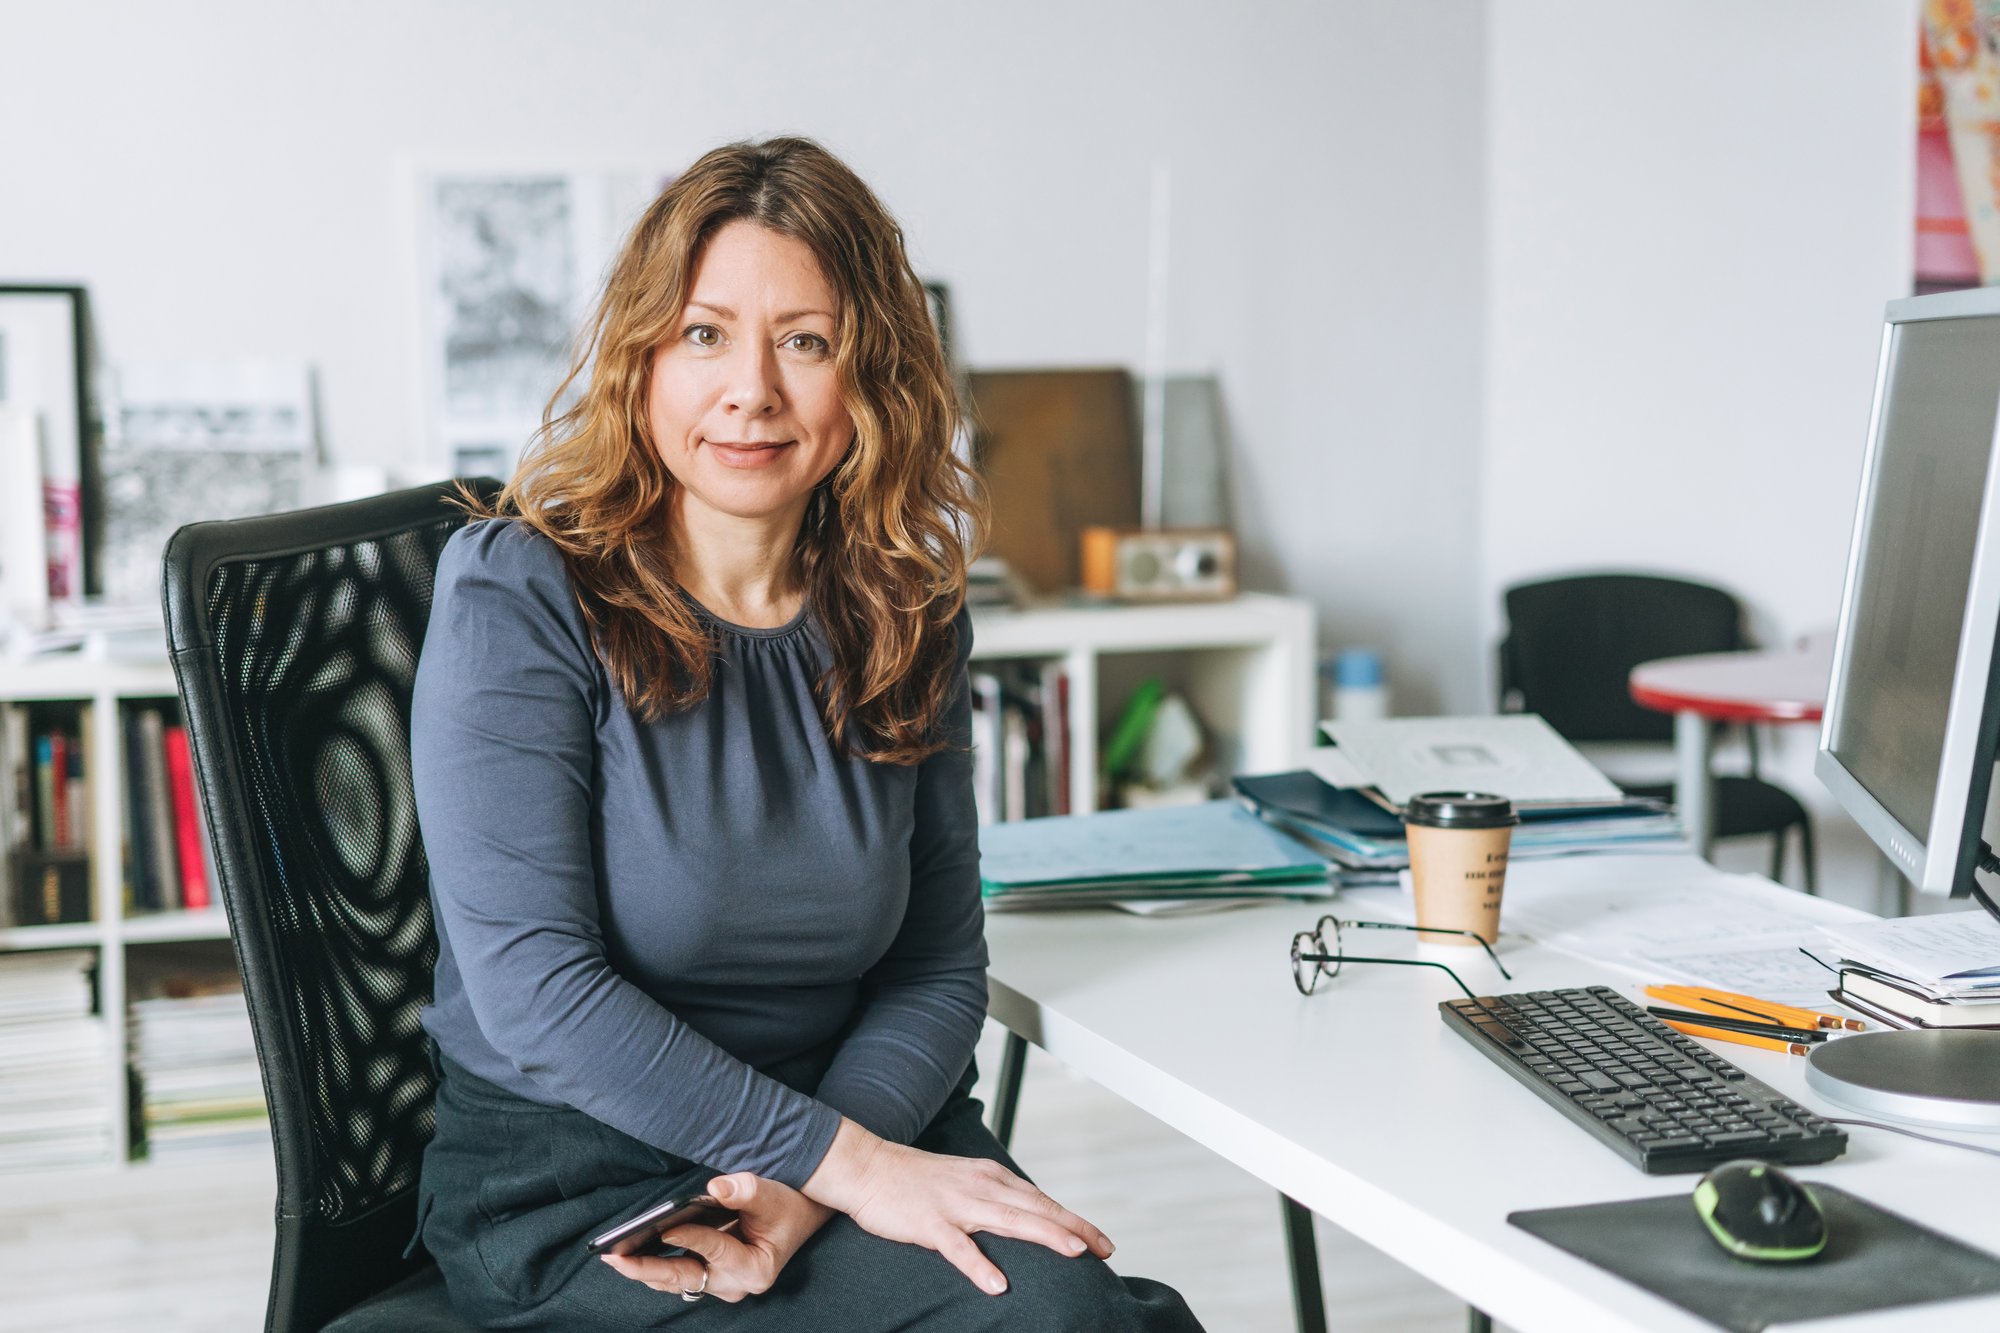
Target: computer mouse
x=1755 y=1211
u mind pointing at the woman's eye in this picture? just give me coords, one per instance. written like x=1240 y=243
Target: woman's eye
x=703 y=335
x=807 y=342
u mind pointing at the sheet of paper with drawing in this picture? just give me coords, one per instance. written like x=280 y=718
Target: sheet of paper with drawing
x=1517 y=756
x=1734 y=932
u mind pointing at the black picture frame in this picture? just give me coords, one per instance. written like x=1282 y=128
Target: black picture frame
x=89 y=420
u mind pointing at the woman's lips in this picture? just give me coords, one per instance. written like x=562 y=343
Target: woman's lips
x=748 y=454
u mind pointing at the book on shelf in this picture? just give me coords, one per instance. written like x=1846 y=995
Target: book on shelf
x=153 y=798
x=45 y=814
x=1020 y=740
x=55 y=1087
x=142 y=884
x=187 y=820
x=167 y=858
x=48 y=802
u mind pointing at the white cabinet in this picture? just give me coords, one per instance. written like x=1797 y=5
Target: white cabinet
x=1246 y=666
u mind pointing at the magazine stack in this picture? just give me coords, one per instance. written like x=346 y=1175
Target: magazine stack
x=55 y=1093
x=200 y=1093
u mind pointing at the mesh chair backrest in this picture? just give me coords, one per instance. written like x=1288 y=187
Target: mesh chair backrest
x=318 y=652
x=295 y=640
x=1572 y=643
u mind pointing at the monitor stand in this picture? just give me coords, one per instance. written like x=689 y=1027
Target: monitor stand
x=1945 y=1078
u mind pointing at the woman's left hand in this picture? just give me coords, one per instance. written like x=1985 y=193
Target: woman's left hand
x=772 y=1222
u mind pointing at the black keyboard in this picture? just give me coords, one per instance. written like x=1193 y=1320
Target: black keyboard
x=1661 y=1099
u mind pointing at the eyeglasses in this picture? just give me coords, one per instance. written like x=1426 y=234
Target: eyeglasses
x=1316 y=952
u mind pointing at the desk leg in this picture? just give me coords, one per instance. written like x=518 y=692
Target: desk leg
x=1302 y=1250
x=1007 y=1087
x=1694 y=738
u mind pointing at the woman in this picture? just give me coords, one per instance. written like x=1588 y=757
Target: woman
x=691 y=743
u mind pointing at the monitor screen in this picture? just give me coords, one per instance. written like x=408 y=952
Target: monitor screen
x=1919 y=528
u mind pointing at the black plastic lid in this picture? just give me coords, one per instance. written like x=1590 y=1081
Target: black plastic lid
x=1460 y=809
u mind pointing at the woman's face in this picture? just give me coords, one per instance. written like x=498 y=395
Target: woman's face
x=744 y=402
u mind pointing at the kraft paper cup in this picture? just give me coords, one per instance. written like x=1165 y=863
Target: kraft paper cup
x=1458 y=862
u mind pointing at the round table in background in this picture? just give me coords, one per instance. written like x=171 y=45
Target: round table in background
x=1781 y=686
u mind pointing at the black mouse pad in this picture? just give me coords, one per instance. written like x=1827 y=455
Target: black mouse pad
x=1873 y=1260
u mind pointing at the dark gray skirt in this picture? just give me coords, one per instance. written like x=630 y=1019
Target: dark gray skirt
x=511 y=1189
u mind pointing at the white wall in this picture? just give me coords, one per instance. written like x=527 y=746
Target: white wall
x=229 y=180
x=1697 y=213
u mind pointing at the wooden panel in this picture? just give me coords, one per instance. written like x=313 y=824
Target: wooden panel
x=1059 y=451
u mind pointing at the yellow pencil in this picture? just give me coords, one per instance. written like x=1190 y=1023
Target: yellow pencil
x=1735 y=1006
x=1741 y=1038
x=1729 y=1002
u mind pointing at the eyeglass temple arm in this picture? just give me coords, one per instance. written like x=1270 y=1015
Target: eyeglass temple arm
x=1393 y=962
x=1436 y=930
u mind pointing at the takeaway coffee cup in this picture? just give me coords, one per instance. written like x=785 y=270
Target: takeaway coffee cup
x=1458 y=861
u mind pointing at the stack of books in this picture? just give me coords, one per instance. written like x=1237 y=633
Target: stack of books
x=196 y=1065
x=167 y=860
x=1184 y=854
x=1363 y=836
x=45 y=805
x=1939 y=971
x=55 y=1088
x=1020 y=740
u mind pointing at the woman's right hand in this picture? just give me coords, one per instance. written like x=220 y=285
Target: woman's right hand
x=936 y=1201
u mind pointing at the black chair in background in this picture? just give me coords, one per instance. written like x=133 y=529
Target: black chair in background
x=295 y=641
x=1571 y=645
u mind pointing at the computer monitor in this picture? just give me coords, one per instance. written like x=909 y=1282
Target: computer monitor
x=1911 y=724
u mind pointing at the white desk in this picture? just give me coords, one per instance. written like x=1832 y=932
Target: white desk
x=1360 y=1104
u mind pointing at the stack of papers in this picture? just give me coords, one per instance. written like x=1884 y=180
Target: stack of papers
x=1359 y=833
x=1950 y=956
x=1675 y=919
x=200 y=1089
x=1211 y=851
x=55 y=1079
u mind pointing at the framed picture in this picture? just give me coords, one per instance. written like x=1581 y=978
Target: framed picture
x=510 y=262
x=192 y=441
x=50 y=433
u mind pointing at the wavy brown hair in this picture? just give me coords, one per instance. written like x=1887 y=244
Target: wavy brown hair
x=886 y=536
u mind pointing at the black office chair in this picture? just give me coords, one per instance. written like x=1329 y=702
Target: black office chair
x=295 y=641
x=1570 y=648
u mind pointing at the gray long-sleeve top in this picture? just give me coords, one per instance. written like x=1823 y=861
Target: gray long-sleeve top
x=635 y=918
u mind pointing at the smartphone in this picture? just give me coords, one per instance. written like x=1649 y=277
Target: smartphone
x=641 y=1234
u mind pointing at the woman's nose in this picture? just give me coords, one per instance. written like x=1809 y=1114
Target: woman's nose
x=753 y=382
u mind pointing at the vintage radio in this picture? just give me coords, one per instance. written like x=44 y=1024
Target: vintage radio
x=1159 y=564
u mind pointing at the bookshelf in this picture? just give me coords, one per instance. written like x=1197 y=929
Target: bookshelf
x=102 y=689
x=1246 y=666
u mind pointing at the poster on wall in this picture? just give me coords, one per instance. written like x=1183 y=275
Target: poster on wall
x=511 y=264
x=1958 y=146
x=192 y=441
